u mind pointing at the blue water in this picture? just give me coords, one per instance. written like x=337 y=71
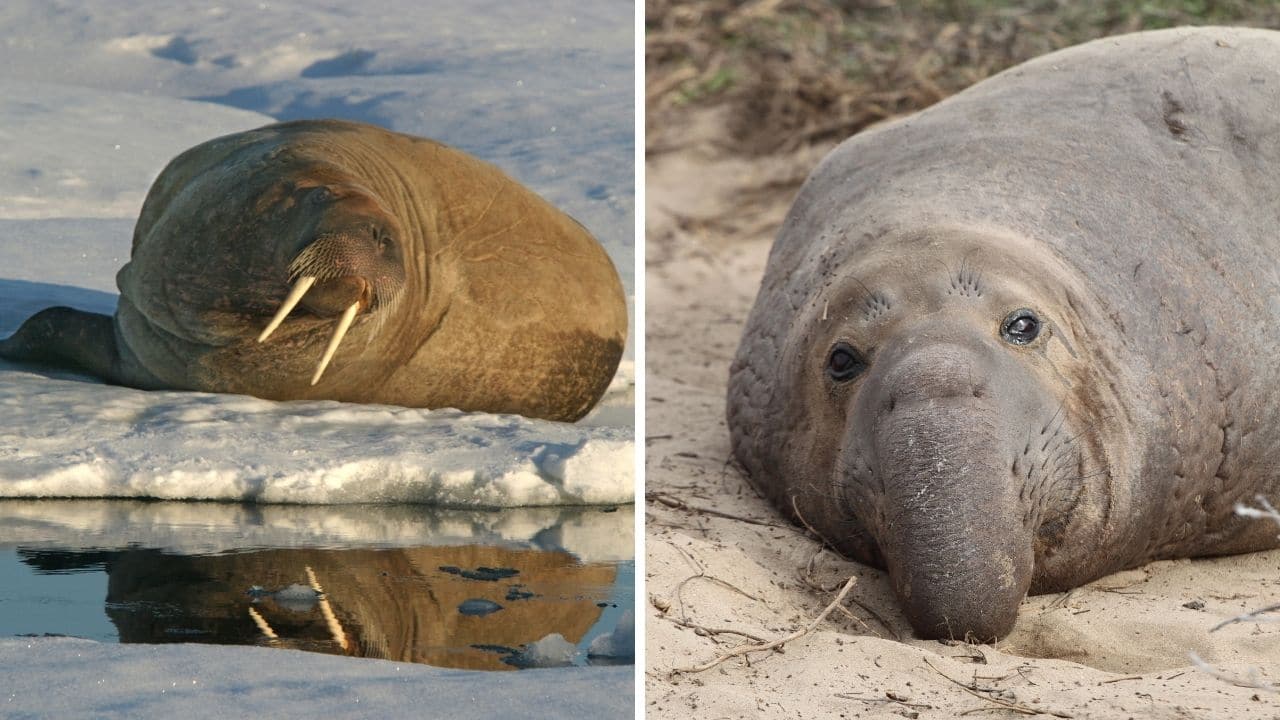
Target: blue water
x=59 y=603
x=119 y=571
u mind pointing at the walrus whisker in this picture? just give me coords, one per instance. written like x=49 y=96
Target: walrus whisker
x=344 y=324
x=290 y=302
x=387 y=294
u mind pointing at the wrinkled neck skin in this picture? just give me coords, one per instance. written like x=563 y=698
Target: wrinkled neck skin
x=973 y=469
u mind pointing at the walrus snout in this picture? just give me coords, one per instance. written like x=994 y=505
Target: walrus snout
x=330 y=297
x=324 y=287
x=342 y=273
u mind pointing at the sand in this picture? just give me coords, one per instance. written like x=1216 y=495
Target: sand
x=723 y=567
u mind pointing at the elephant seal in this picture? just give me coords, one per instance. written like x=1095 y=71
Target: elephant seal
x=1027 y=337
x=423 y=276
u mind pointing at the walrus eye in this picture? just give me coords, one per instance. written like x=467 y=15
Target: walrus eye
x=1020 y=327
x=319 y=195
x=845 y=363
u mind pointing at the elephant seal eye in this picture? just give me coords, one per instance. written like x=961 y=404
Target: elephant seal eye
x=845 y=363
x=1020 y=327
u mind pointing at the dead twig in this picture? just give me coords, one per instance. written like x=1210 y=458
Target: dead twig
x=888 y=698
x=775 y=644
x=1120 y=679
x=879 y=618
x=1254 y=681
x=1265 y=511
x=822 y=540
x=705 y=631
x=807 y=579
x=1251 y=616
x=678 y=504
x=1016 y=707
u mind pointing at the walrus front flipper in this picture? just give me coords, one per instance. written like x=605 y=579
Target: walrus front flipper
x=68 y=338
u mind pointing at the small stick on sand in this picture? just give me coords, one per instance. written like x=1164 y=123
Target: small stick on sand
x=824 y=544
x=1252 y=616
x=712 y=632
x=1254 y=682
x=775 y=644
x=1016 y=707
x=1120 y=679
x=678 y=504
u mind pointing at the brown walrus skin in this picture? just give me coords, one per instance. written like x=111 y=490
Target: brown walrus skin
x=1030 y=336
x=463 y=288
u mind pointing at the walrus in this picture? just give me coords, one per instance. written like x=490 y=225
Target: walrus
x=323 y=259
x=1028 y=336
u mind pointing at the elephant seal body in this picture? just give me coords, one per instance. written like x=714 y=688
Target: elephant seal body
x=1028 y=337
x=431 y=278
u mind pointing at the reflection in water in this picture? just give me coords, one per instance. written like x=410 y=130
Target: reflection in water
x=485 y=606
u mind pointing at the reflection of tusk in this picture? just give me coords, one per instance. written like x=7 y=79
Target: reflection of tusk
x=290 y=302
x=261 y=622
x=344 y=323
x=335 y=627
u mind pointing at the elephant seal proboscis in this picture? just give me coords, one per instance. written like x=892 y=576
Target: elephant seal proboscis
x=1028 y=336
x=424 y=276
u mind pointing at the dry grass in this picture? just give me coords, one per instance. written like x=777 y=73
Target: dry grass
x=794 y=72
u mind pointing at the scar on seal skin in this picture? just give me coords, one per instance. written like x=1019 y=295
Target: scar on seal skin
x=954 y=369
x=336 y=260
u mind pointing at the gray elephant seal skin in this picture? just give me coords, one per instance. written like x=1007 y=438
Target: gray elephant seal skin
x=1029 y=336
x=421 y=277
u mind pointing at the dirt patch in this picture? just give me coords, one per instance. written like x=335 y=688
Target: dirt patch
x=795 y=72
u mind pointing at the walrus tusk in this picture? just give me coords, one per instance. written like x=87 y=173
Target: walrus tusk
x=344 y=323
x=295 y=295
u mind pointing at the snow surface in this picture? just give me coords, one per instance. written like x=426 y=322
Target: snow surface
x=64 y=677
x=96 y=96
